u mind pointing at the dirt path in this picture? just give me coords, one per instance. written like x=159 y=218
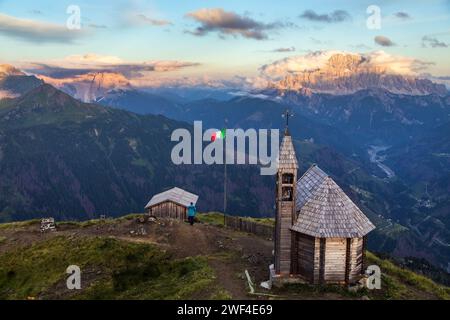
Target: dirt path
x=186 y=240
x=229 y=253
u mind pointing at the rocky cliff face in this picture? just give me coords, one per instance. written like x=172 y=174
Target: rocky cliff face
x=90 y=87
x=348 y=73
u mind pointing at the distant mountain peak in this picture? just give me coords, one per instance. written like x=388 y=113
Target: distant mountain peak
x=14 y=83
x=348 y=73
x=46 y=98
x=45 y=105
x=91 y=86
x=9 y=70
x=46 y=91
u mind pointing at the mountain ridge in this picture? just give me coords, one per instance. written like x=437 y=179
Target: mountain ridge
x=14 y=82
x=51 y=146
x=59 y=155
x=349 y=73
x=91 y=86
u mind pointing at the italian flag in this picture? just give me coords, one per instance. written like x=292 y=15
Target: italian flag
x=218 y=135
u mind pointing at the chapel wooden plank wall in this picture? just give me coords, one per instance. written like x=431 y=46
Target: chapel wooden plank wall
x=331 y=260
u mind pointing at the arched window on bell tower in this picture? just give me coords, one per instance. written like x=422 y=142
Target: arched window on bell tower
x=288 y=178
x=287 y=194
x=287 y=189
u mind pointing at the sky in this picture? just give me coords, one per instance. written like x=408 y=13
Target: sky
x=216 y=39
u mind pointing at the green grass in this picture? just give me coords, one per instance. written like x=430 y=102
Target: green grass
x=16 y=225
x=85 y=224
x=118 y=269
x=396 y=284
x=216 y=218
x=74 y=224
x=400 y=283
x=221 y=295
x=131 y=216
x=125 y=271
x=266 y=221
x=94 y=222
x=309 y=291
x=213 y=218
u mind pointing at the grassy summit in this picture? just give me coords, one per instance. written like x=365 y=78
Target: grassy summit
x=113 y=269
x=170 y=260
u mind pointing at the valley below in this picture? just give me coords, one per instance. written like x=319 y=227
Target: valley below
x=75 y=153
x=375 y=157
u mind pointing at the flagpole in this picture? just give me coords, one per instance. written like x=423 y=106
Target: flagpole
x=225 y=188
x=225 y=176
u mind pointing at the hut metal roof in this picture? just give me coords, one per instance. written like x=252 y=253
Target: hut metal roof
x=176 y=195
x=325 y=211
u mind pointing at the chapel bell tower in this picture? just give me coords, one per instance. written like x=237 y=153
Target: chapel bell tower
x=285 y=203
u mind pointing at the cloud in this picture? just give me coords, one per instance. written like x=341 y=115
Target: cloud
x=143 y=19
x=445 y=80
x=384 y=41
x=7 y=94
x=402 y=15
x=97 y=26
x=36 y=31
x=78 y=74
x=333 y=17
x=433 y=42
x=227 y=23
x=309 y=62
x=77 y=65
x=186 y=82
x=397 y=64
x=290 y=49
x=319 y=59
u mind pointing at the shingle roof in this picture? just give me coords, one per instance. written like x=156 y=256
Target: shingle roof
x=287 y=158
x=176 y=195
x=325 y=211
x=308 y=184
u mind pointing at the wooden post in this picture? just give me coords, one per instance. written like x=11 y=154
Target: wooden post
x=323 y=243
x=294 y=251
x=363 y=255
x=348 y=260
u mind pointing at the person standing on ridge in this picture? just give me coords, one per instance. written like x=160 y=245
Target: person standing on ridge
x=192 y=211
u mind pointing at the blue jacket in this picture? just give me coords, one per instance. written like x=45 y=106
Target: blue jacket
x=192 y=211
